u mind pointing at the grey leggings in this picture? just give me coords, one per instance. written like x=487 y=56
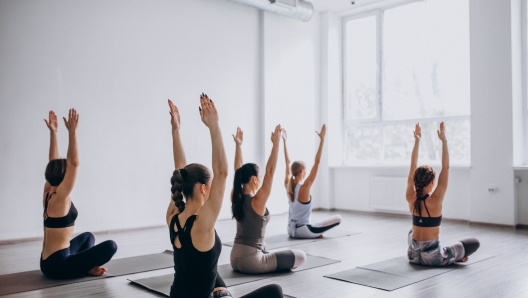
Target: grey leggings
x=430 y=253
x=249 y=259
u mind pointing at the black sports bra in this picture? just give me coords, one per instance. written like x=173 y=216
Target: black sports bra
x=59 y=222
x=426 y=222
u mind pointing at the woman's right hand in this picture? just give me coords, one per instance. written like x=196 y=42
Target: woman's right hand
x=417 y=132
x=276 y=135
x=73 y=120
x=175 y=116
x=284 y=135
x=208 y=111
x=52 y=123
x=239 y=137
x=322 y=134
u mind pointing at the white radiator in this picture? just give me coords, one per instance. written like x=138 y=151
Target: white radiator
x=388 y=194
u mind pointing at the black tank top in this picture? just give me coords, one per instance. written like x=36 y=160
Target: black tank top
x=195 y=272
x=426 y=222
x=59 y=222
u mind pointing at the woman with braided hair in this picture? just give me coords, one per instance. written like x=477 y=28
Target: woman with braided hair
x=248 y=204
x=423 y=239
x=191 y=216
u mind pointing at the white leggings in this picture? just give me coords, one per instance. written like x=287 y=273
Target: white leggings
x=314 y=230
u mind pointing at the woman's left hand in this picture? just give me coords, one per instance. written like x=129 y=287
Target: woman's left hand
x=322 y=134
x=208 y=111
x=52 y=123
x=276 y=135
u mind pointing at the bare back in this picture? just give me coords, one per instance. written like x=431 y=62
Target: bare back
x=434 y=206
x=56 y=239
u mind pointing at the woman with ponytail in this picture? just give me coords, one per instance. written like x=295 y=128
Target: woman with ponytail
x=425 y=204
x=298 y=188
x=191 y=216
x=248 y=203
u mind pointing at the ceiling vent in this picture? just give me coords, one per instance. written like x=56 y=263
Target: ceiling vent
x=296 y=9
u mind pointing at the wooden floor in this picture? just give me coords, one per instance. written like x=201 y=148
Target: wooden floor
x=383 y=237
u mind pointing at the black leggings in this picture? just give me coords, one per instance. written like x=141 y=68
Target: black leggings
x=269 y=291
x=76 y=260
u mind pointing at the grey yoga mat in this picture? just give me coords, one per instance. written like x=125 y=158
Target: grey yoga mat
x=34 y=280
x=396 y=273
x=161 y=284
x=283 y=240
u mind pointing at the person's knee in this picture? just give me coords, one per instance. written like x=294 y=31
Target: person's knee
x=273 y=290
x=109 y=246
x=470 y=246
x=300 y=257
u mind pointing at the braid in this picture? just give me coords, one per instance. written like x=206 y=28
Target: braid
x=422 y=178
x=177 y=189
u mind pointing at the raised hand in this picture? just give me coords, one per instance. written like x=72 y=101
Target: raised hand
x=175 y=116
x=284 y=134
x=208 y=111
x=441 y=132
x=239 y=137
x=322 y=134
x=276 y=135
x=73 y=120
x=417 y=132
x=52 y=123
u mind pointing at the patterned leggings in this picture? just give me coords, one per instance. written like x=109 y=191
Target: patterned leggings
x=430 y=253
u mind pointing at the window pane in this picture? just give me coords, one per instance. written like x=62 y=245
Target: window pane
x=426 y=60
x=361 y=77
x=363 y=143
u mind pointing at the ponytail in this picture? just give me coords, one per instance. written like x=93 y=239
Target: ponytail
x=242 y=176
x=184 y=180
x=296 y=168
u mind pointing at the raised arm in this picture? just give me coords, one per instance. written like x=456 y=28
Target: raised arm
x=209 y=213
x=53 y=126
x=313 y=173
x=177 y=147
x=178 y=152
x=238 y=138
x=444 y=174
x=414 y=162
x=72 y=159
x=286 y=158
x=262 y=195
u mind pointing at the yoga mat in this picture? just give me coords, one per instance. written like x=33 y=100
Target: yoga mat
x=161 y=284
x=284 y=240
x=34 y=280
x=396 y=273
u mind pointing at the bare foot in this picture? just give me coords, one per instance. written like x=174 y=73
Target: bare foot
x=320 y=236
x=464 y=259
x=97 y=271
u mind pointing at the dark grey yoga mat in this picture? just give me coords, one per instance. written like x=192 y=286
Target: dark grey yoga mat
x=34 y=280
x=396 y=273
x=283 y=240
x=161 y=284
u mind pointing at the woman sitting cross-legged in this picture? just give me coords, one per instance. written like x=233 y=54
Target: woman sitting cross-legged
x=191 y=216
x=298 y=188
x=426 y=209
x=62 y=257
x=248 y=203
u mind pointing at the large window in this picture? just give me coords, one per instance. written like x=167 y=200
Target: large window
x=405 y=65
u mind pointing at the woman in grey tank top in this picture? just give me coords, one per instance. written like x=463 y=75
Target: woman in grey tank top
x=248 y=203
x=299 y=198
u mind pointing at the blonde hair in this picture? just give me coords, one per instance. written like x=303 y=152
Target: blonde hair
x=296 y=168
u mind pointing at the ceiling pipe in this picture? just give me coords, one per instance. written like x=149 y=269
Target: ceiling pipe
x=302 y=11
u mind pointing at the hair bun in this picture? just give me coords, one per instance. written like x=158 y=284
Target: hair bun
x=183 y=173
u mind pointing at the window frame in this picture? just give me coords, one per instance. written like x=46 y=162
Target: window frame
x=524 y=61
x=378 y=120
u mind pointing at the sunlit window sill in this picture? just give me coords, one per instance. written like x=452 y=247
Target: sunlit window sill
x=397 y=167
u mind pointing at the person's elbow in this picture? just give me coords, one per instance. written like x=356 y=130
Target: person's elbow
x=222 y=172
x=73 y=163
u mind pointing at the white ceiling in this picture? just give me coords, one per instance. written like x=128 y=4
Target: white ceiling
x=338 y=5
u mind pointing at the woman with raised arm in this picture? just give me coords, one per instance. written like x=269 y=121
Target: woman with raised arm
x=62 y=257
x=424 y=243
x=248 y=203
x=191 y=216
x=298 y=188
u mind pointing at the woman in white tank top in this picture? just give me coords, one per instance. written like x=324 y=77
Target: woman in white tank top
x=299 y=198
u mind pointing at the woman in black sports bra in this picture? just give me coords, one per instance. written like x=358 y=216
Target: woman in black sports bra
x=426 y=209
x=62 y=257
x=191 y=216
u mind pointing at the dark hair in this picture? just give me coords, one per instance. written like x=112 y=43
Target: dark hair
x=184 y=180
x=242 y=176
x=296 y=168
x=55 y=171
x=422 y=177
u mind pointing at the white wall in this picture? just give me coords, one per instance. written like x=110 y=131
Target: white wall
x=117 y=62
